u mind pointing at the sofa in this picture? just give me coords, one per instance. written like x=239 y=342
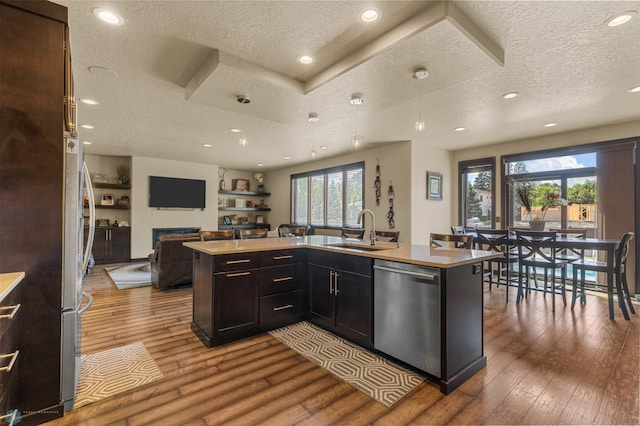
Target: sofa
x=171 y=262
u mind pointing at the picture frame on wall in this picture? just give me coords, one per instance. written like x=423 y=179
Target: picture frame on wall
x=227 y=220
x=259 y=218
x=434 y=186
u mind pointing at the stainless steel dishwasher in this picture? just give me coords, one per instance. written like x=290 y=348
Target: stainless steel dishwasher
x=407 y=314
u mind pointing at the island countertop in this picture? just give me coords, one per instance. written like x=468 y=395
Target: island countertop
x=8 y=281
x=407 y=253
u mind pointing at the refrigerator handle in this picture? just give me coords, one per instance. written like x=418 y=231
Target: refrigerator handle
x=89 y=303
x=92 y=216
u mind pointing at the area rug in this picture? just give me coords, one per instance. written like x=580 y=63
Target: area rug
x=113 y=371
x=372 y=374
x=129 y=276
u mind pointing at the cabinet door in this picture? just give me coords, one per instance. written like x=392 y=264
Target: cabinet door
x=120 y=245
x=353 y=311
x=101 y=245
x=321 y=298
x=235 y=305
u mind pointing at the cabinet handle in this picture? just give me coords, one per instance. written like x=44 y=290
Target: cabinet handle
x=277 y=280
x=238 y=274
x=280 y=308
x=335 y=283
x=14 y=310
x=232 y=262
x=13 y=356
x=290 y=256
x=331 y=282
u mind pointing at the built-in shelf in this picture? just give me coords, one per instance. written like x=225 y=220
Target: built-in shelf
x=245 y=209
x=111 y=185
x=264 y=194
x=100 y=206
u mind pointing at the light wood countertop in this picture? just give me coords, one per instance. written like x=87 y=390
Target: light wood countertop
x=406 y=253
x=8 y=281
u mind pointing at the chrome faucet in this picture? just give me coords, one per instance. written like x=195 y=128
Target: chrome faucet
x=373 y=227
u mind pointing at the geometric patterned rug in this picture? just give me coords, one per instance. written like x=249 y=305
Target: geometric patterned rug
x=110 y=372
x=129 y=276
x=370 y=373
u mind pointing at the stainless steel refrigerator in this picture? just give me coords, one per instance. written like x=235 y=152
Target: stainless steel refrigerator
x=76 y=256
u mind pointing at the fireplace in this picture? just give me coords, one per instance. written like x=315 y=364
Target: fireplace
x=157 y=232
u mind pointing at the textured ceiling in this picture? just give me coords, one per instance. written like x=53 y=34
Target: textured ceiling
x=181 y=64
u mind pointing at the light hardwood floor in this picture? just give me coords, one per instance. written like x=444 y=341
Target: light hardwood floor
x=571 y=367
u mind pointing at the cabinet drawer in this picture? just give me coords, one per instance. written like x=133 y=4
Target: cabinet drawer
x=281 y=309
x=281 y=257
x=9 y=307
x=234 y=262
x=280 y=279
x=8 y=379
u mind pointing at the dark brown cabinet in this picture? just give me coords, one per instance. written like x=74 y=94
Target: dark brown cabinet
x=340 y=295
x=225 y=297
x=111 y=245
x=32 y=152
x=281 y=288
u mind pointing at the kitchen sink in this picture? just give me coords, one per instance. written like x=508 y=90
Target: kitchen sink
x=355 y=246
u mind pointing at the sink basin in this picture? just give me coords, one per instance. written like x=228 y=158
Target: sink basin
x=355 y=246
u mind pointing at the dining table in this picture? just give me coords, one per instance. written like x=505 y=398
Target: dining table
x=605 y=245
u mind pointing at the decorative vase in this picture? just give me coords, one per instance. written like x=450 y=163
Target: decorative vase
x=537 y=225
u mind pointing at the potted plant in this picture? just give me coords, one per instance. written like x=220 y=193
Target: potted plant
x=536 y=207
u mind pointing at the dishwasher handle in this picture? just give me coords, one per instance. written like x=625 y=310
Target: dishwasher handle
x=430 y=277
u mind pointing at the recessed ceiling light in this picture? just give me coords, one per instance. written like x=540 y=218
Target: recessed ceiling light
x=87 y=143
x=369 y=15
x=551 y=125
x=510 y=95
x=286 y=157
x=207 y=145
x=234 y=130
x=620 y=19
x=260 y=164
x=89 y=101
x=88 y=126
x=306 y=59
x=108 y=16
x=356 y=99
x=634 y=90
x=324 y=147
x=460 y=129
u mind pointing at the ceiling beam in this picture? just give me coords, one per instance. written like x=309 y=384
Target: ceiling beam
x=466 y=26
x=208 y=66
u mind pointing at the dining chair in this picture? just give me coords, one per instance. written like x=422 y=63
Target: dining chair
x=388 y=236
x=536 y=250
x=353 y=233
x=292 y=231
x=246 y=234
x=451 y=241
x=619 y=270
x=501 y=268
x=570 y=254
x=216 y=235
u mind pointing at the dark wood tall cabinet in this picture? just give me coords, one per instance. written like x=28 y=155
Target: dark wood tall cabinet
x=33 y=89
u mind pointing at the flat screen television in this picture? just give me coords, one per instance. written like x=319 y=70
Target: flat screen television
x=171 y=192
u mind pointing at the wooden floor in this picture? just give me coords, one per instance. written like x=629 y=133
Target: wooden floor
x=571 y=367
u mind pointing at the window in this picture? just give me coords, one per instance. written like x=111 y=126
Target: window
x=477 y=182
x=328 y=198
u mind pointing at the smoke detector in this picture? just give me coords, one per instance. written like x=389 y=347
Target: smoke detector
x=420 y=73
x=243 y=99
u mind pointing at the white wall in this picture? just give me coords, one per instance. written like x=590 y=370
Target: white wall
x=430 y=215
x=145 y=218
x=395 y=166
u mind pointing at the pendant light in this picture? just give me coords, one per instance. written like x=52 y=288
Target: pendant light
x=420 y=73
x=356 y=100
x=313 y=119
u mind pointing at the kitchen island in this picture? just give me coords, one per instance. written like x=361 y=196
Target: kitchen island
x=244 y=287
